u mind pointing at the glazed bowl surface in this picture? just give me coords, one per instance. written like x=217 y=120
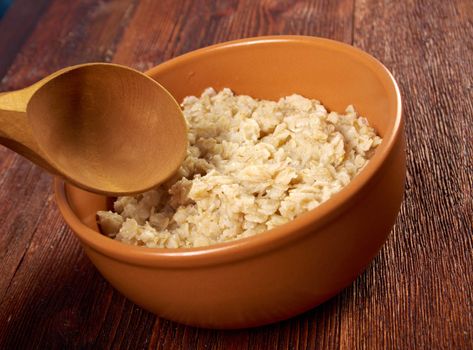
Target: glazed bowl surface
x=292 y=268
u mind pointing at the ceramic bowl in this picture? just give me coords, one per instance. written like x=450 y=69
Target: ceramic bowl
x=294 y=267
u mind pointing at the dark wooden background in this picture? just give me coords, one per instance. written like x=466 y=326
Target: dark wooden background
x=417 y=294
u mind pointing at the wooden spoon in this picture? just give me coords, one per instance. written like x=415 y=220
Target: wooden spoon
x=104 y=127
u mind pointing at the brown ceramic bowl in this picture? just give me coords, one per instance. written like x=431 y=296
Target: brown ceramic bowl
x=294 y=267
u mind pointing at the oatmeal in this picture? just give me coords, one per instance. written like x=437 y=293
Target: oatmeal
x=251 y=165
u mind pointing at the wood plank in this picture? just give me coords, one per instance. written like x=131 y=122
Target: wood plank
x=21 y=186
x=69 y=33
x=16 y=25
x=164 y=29
x=418 y=293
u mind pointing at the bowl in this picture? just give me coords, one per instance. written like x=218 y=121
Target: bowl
x=292 y=268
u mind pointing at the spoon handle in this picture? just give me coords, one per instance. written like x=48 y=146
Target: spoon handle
x=15 y=130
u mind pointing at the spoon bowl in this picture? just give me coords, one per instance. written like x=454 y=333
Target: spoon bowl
x=104 y=127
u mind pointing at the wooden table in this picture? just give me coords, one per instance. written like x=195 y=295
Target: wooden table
x=417 y=293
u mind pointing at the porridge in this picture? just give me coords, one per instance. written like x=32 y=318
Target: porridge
x=251 y=165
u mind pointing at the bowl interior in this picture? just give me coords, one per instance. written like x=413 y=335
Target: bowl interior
x=334 y=73
x=270 y=68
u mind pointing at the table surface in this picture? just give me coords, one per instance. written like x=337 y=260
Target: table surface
x=417 y=293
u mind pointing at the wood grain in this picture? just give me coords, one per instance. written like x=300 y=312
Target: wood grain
x=14 y=35
x=427 y=263
x=417 y=293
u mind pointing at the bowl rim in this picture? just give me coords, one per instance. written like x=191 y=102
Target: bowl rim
x=269 y=240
